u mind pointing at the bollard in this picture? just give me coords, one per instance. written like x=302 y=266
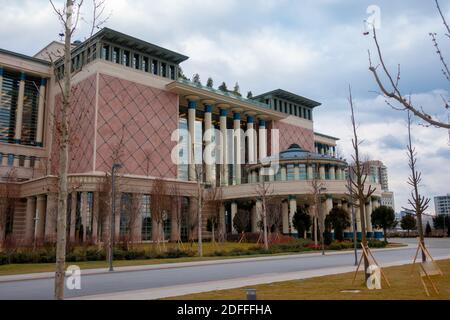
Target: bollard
x=251 y=294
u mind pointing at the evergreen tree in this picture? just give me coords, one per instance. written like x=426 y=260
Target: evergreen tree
x=210 y=82
x=339 y=219
x=196 y=79
x=237 y=90
x=223 y=87
x=181 y=74
x=442 y=221
x=384 y=218
x=428 y=229
x=302 y=222
x=408 y=222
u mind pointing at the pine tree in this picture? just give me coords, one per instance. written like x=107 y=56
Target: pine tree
x=223 y=87
x=210 y=82
x=196 y=79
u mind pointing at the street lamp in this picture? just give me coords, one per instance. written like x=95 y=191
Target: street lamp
x=113 y=214
x=323 y=189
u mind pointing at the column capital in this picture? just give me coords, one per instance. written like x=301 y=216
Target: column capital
x=236 y=115
x=22 y=76
x=1 y=71
x=250 y=119
x=223 y=112
x=43 y=81
x=262 y=123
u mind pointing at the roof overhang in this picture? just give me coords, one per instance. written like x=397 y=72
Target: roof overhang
x=289 y=96
x=186 y=88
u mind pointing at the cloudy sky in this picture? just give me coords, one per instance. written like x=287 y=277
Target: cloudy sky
x=315 y=48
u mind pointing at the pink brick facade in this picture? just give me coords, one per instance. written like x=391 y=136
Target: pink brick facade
x=135 y=123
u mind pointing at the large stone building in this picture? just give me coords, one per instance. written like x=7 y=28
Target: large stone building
x=127 y=103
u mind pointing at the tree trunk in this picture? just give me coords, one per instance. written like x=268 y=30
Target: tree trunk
x=385 y=234
x=63 y=160
x=266 y=242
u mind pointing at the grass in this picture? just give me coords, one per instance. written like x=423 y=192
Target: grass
x=404 y=286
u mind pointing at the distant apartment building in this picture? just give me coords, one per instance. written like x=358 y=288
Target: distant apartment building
x=378 y=174
x=442 y=204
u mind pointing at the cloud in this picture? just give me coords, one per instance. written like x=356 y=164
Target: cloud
x=315 y=48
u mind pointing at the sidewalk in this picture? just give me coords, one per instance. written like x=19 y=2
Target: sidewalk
x=89 y=272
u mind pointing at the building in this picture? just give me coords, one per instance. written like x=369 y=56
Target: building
x=442 y=204
x=130 y=106
x=379 y=175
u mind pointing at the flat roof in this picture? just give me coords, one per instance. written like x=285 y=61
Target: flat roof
x=25 y=57
x=133 y=43
x=326 y=136
x=286 y=95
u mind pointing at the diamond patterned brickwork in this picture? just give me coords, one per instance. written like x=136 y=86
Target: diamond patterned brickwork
x=290 y=134
x=135 y=124
x=81 y=128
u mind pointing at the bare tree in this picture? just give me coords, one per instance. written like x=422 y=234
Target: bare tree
x=177 y=214
x=69 y=17
x=391 y=91
x=8 y=196
x=264 y=191
x=358 y=184
x=214 y=200
x=160 y=205
x=418 y=202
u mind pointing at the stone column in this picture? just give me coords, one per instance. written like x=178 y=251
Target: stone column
x=262 y=139
x=40 y=119
x=258 y=210
x=224 y=145
x=310 y=172
x=234 y=210
x=51 y=217
x=332 y=173
x=29 y=220
x=322 y=172
x=292 y=211
x=253 y=219
x=192 y=106
x=250 y=140
x=208 y=141
x=285 y=216
x=40 y=217
x=328 y=204
x=19 y=110
x=296 y=172
x=175 y=235
x=96 y=216
x=73 y=217
x=237 y=147
x=84 y=208
x=339 y=174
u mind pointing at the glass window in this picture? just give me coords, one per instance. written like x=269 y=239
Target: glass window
x=116 y=55
x=303 y=172
x=145 y=64
x=290 y=172
x=136 y=63
x=172 y=72
x=10 y=160
x=164 y=70
x=21 y=161
x=155 y=67
x=290 y=108
x=126 y=58
x=146 y=218
x=105 y=52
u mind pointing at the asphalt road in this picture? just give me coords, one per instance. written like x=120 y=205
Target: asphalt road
x=137 y=280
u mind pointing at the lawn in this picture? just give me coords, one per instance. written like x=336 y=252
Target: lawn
x=404 y=286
